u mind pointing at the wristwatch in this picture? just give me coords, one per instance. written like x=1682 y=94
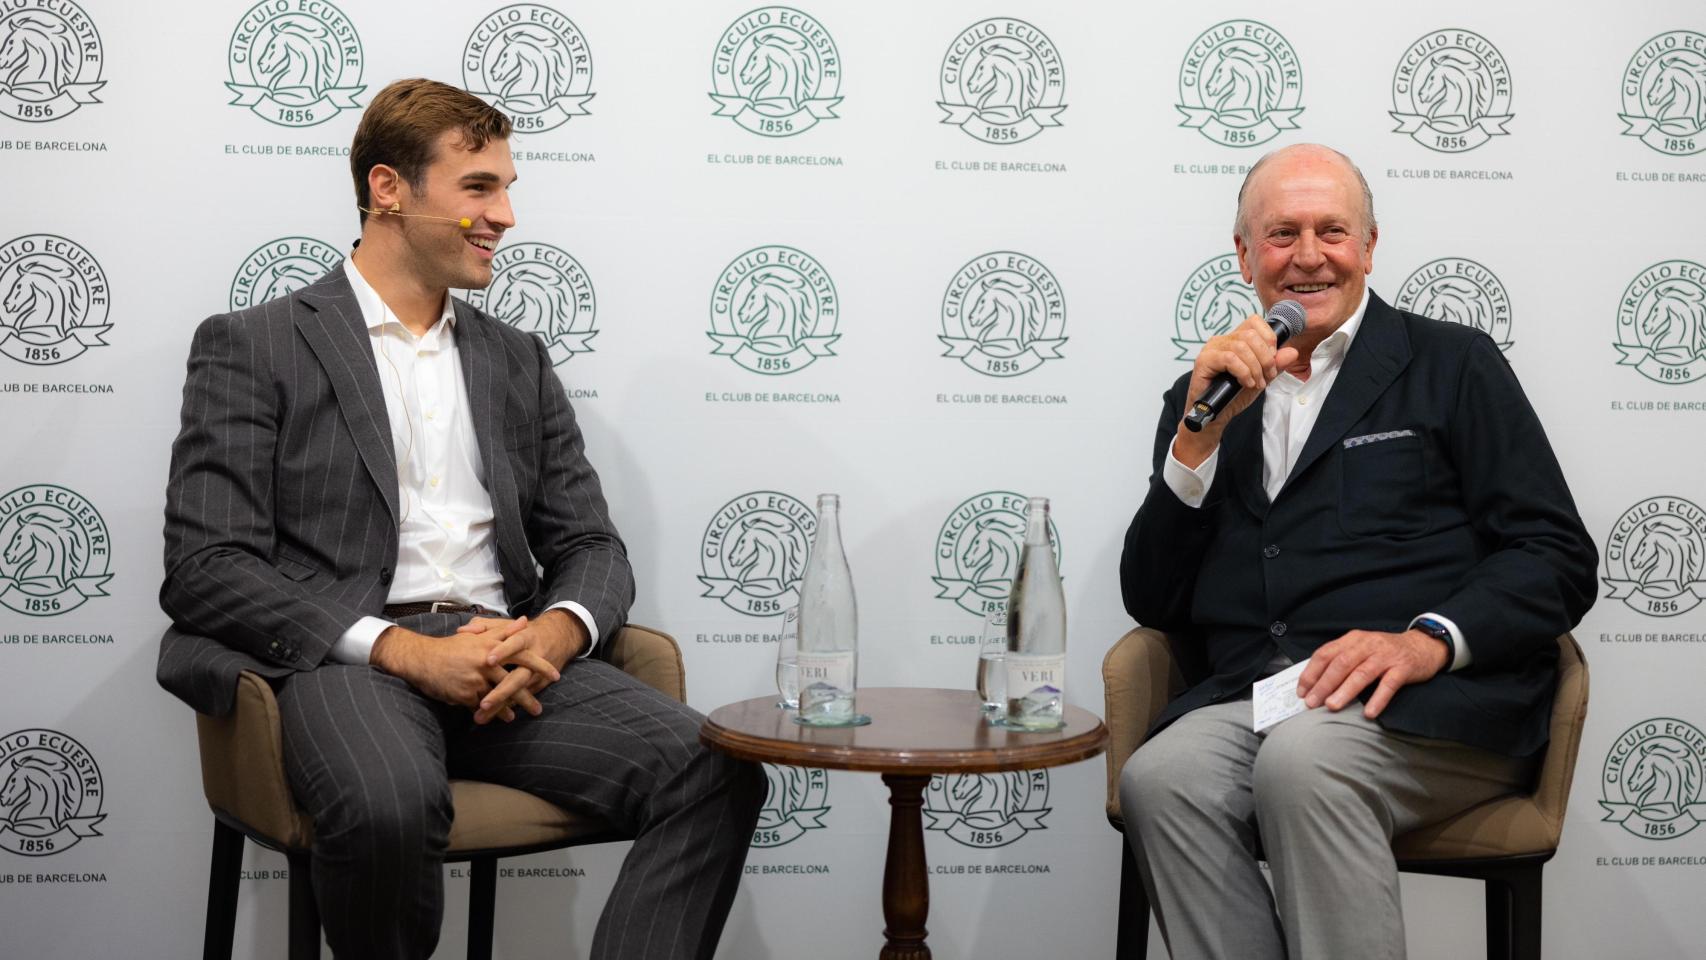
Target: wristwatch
x=1440 y=632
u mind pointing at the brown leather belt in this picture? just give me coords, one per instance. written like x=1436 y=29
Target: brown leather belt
x=435 y=606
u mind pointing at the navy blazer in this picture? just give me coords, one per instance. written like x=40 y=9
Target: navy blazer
x=1426 y=485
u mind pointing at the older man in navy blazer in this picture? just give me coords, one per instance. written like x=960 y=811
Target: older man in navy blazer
x=1381 y=501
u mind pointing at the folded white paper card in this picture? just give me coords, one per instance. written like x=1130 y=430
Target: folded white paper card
x=1275 y=698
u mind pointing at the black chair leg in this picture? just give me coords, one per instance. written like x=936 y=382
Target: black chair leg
x=1133 y=943
x=482 y=901
x=304 y=912
x=223 y=878
x=1513 y=914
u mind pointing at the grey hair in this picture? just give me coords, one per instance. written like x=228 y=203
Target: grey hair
x=1241 y=226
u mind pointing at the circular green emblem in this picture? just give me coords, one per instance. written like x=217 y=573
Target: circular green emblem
x=280 y=268
x=987 y=810
x=754 y=552
x=1240 y=84
x=1461 y=291
x=1655 y=559
x=295 y=64
x=796 y=800
x=532 y=63
x=539 y=288
x=53 y=300
x=1664 y=93
x=978 y=548
x=1661 y=322
x=1002 y=81
x=1004 y=314
x=1452 y=91
x=50 y=60
x=776 y=72
x=774 y=311
x=53 y=551
x=50 y=793
x=1213 y=300
x=1652 y=779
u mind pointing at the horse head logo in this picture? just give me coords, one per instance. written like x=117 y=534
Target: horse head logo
x=1228 y=305
x=45 y=548
x=1661 y=781
x=1667 y=555
x=1676 y=90
x=983 y=793
x=287 y=278
x=1007 y=80
x=1456 y=89
x=775 y=310
x=1675 y=324
x=785 y=791
x=44 y=296
x=299 y=61
x=534 y=300
x=531 y=67
x=1245 y=81
x=1005 y=313
x=41 y=791
x=767 y=553
x=39 y=55
x=991 y=553
x=779 y=70
x=1456 y=301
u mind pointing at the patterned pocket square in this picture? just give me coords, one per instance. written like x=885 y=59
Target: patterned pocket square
x=1368 y=438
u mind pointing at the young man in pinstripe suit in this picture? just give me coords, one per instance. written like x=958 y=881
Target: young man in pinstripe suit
x=379 y=500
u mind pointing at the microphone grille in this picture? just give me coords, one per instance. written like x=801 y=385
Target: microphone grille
x=1290 y=313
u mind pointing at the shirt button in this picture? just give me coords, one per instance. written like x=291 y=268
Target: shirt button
x=433 y=483
x=443 y=574
x=1270 y=551
x=1303 y=401
x=1277 y=628
x=420 y=353
x=430 y=414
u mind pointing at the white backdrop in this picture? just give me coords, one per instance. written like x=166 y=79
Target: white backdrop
x=168 y=162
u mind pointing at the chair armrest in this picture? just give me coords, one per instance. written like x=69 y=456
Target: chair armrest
x=242 y=765
x=1569 y=714
x=1139 y=676
x=651 y=657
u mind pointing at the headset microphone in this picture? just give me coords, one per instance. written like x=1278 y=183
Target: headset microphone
x=397 y=211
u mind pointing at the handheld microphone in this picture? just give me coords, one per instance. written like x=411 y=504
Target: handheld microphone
x=1286 y=319
x=397 y=211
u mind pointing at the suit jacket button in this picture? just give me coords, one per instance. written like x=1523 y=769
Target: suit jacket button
x=1277 y=628
x=1270 y=551
x=385 y=577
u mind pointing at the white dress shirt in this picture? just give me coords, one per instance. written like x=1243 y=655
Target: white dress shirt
x=445 y=545
x=1289 y=412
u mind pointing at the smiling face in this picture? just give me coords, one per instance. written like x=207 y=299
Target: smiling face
x=457 y=183
x=1306 y=236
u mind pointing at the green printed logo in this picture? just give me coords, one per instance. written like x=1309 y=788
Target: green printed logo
x=539 y=288
x=774 y=311
x=987 y=810
x=796 y=800
x=50 y=60
x=1655 y=559
x=50 y=793
x=53 y=551
x=776 y=72
x=53 y=300
x=1452 y=91
x=1652 y=779
x=978 y=549
x=1004 y=314
x=1461 y=291
x=295 y=64
x=1661 y=322
x=1240 y=84
x=1213 y=301
x=280 y=268
x=1664 y=93
x=1002 y=81
x=754 y=552
x=532 y=63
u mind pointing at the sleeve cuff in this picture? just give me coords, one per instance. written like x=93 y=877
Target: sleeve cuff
x=356 y=644
x=1190 y=486
x=585 y=617
x=1460 y=657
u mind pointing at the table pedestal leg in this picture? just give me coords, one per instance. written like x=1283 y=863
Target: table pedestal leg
x=906 y=887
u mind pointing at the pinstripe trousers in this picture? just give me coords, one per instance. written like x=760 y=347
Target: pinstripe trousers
x=370 y=759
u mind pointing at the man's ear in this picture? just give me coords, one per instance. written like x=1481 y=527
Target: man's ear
x=384 y=186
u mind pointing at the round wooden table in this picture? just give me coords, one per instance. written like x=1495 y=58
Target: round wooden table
x=914 y=732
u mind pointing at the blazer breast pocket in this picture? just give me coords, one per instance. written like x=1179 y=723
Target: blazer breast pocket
x=1383 y=484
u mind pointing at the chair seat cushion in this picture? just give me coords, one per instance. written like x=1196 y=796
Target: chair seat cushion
x=490 y=817
x=1506 y=826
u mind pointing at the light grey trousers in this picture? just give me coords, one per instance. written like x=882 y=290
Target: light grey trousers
x=1325 y=792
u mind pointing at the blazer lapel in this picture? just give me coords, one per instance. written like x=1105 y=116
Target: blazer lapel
x=484 y=376
x=1379 y=353
x=1243 y=454
x=336 y=332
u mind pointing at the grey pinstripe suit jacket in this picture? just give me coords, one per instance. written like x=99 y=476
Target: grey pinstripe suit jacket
x=281 y=507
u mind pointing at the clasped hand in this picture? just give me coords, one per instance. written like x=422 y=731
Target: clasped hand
x=1343 y=668
x=491 y=665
